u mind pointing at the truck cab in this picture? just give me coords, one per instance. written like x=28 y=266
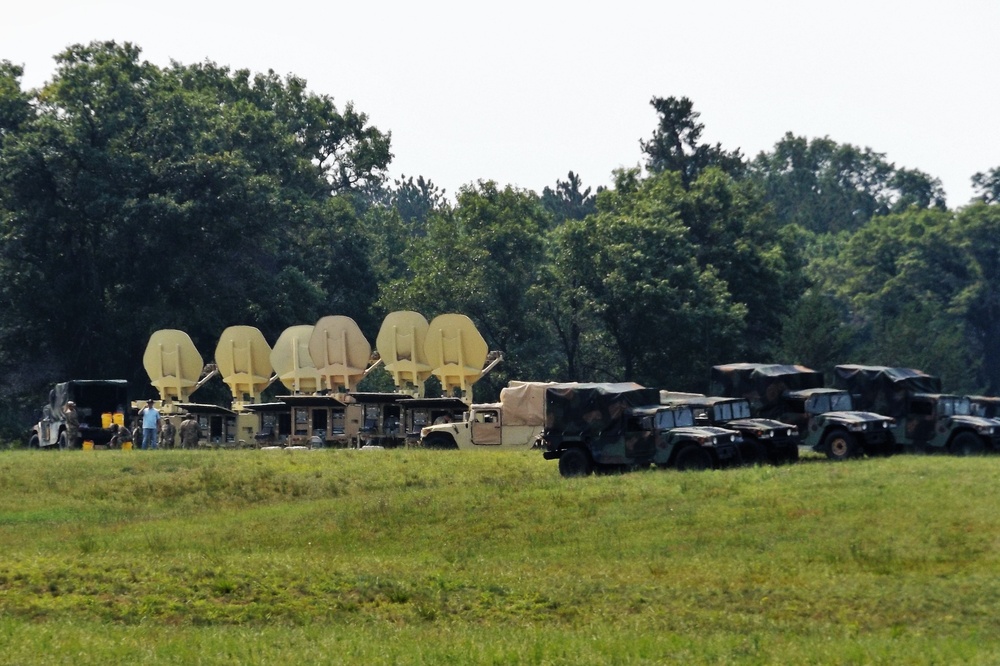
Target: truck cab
x=764 y=440
x=829 y=424
x=483 y=426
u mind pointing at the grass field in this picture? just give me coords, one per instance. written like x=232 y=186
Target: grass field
x=431 y=557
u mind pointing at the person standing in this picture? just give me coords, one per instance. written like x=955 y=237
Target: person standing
x=72 y=424
x=150 y=424
x=167 y=433
x=189 y=432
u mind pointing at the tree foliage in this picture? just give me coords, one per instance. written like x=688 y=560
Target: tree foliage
x=676 y=143
x=824 y=186
x=138 y=198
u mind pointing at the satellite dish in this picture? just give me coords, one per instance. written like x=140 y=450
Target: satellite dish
x=173 y=364
x=400 y=345
x=292 y=362
x=244 y=360
x=340 y=351
x=456 y=351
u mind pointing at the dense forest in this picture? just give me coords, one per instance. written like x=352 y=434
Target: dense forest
x=135 y=197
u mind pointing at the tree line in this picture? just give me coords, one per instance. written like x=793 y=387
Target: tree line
x=135 y=197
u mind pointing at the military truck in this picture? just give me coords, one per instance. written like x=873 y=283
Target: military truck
x=826 y=418
x=927 y=420
x=613 y=427
x=764 y=440
x=514 y=422
x=987 y=406
x=100 y=403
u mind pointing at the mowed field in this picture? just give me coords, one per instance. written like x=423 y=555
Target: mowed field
x=431 y=557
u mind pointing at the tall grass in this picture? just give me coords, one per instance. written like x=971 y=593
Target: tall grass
x=412 y=556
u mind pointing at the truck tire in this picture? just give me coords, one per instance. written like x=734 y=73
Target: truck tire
x=439 y=441
x=574 y=462
x=840 y=445
x=693 y=459
x=753 y=453
x=34 y=442
x=966 y=444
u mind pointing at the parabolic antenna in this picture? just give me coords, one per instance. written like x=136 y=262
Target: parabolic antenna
x=456 y=351
x=173 y=364
x=244 y=360
x=400 y=345
x=292 y=362
x=340 y=352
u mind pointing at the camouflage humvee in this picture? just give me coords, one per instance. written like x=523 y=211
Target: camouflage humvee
x=826 y=419
x=926 y=419
x=622 y=426
x=764 y=440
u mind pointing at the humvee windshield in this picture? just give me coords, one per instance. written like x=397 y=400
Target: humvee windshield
x=955 y=406
x=829 y=402
x=728 y=411
x=674 y=418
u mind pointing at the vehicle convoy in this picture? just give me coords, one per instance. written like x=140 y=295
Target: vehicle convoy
x=514 y=422
x=764 y=440
x=100 y=404
x=608 y=427
x=926 y=419
x=826 y=418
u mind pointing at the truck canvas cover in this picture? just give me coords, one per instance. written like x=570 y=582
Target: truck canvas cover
x=524 y=403
x=93 y=397
x=881 y=389
x=763 y=385
x=591 y=410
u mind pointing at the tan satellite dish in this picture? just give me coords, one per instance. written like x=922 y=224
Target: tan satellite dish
x=244 y=360
x=173 y=364
x=292 y=362
x=456 y=351
x=340 y=352
x=400 y=345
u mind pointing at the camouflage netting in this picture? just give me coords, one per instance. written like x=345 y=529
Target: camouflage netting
x=761 y=383
x=592 y=410
x=883 y=390
x=524 y=403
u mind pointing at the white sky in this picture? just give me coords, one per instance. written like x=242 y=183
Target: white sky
x=523 y=92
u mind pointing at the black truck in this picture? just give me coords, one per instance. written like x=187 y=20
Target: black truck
x=100 y=403
x=607 y=427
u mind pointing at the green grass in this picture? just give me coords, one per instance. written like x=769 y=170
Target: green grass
x=428 y=557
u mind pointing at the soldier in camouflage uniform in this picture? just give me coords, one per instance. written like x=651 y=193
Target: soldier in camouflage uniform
x=167 y=433
x=189 y=432
x=72 y=425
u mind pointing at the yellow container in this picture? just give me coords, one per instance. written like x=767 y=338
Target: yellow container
x=126 y=446
x=119 y=418
x=106 y=420
x=88 y=445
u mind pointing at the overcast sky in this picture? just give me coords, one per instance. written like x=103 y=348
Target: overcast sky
x=524 y=92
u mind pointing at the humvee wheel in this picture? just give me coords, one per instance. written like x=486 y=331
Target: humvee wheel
x=438 y=441
x=693 y=459
x=753 y=453
x=840 y=445
x=574 y=462
x=966 y=444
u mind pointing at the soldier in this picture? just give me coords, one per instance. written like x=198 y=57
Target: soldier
x=119 y=435
x=72 y=424
x=167 y=433
x=189 y=432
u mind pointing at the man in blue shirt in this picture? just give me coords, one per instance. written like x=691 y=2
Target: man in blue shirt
x=150 y=425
